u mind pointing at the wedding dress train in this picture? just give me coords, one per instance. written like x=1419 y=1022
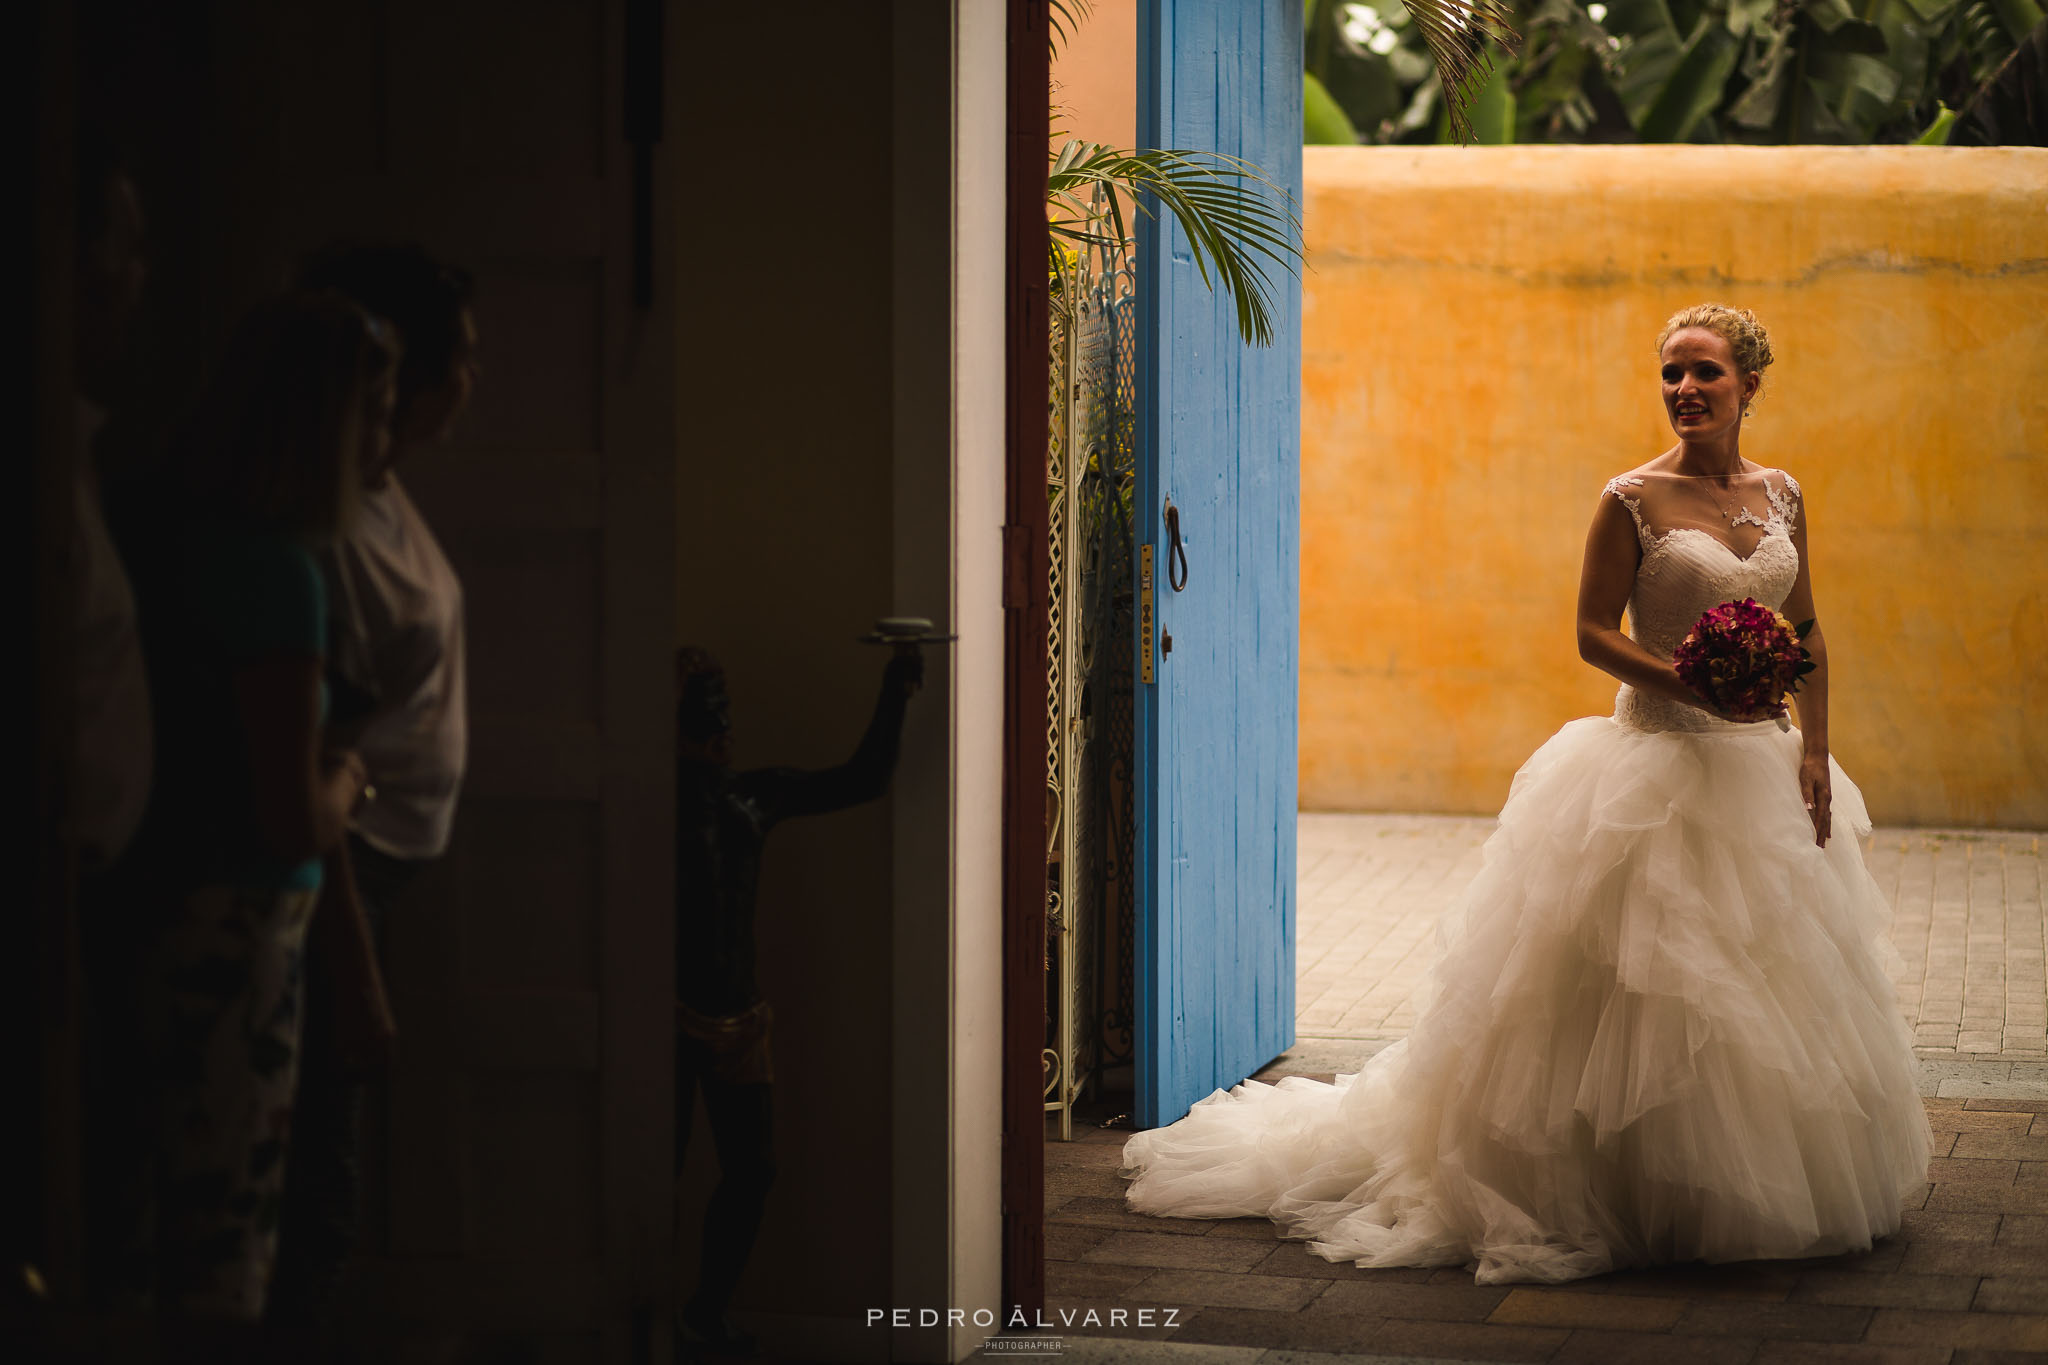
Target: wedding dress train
x=1660 y=1028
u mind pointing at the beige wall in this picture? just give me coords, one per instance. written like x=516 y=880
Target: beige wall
x=1477 y=362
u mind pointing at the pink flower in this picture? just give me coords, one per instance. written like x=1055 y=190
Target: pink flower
x=1744 y=658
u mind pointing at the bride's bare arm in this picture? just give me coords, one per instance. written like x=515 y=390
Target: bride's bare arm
x=1605 y=581
x=1812 y=696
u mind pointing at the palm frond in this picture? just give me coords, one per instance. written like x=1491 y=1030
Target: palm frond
x=1461 y=35
x=1233 y=226
x=1065 y=16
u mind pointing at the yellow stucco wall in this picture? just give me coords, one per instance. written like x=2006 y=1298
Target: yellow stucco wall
x=1477 y=361
x=1095 y=76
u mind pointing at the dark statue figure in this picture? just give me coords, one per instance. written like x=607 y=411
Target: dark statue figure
x=723 y=818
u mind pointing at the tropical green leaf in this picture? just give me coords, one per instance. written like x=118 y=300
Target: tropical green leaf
x=1695 y=88
x=1745 y=16
x=1553 y=97
x=1852 y=35
x=1651 y=60
x=1932 y=11
x=1908 y=51
x=1238 y=223
x=1828 y=15
x=1608 y=70
x=1937 y=131
x=2012 y=107
x=1770 y=74
x=1490 y=110
x=1493 y=110
x=2020 y=18
x=1871 y=77
x=1817 y=120
x=1323 y=120
x=1640 y=19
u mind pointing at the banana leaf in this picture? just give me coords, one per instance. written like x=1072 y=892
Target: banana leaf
x=1490 y=109
x=1323 y=121
x=1746 y=16
x=1640 y=19
x=1771 y=72
x=1937 y=131
x=1696 y=85
x=2020 y=17
x=1841 y=29
x=1651 y=48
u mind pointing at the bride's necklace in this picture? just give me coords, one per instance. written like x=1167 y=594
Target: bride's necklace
x=1733 y=510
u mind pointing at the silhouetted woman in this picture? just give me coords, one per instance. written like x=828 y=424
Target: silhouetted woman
x=248 y=796
x=396 y=633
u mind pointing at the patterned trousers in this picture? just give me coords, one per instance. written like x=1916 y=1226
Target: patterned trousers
x=225 y=1013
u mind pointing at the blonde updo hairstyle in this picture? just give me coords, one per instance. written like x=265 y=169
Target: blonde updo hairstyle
x=1740 y=328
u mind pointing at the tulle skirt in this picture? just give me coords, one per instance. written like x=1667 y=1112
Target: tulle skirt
x=1660 y=1030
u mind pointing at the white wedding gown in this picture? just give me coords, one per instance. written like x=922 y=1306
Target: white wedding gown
x=1660 y=1028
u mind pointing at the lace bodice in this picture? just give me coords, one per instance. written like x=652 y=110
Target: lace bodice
x=1687 y=569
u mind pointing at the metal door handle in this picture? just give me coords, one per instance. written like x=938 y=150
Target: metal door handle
x=1176 y=554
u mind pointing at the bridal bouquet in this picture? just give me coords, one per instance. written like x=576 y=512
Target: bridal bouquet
x=1744 y=658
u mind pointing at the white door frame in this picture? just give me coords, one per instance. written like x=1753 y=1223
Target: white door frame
x=947 y=336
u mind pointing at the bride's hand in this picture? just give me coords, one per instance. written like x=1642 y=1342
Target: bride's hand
x=1682 y=691
x=1814 y=789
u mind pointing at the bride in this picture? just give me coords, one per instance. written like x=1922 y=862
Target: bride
x=1660 y=1029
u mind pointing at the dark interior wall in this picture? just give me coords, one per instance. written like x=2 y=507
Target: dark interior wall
x=523 y=1157
x=137 y=76
x=783 y=400
x=146 y=75
x=40 y=1194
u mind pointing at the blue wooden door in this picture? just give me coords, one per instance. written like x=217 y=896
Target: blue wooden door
x=1219 y=436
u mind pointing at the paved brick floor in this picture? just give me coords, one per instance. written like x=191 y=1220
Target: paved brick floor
x=1968 y=925
x=1964 y=1283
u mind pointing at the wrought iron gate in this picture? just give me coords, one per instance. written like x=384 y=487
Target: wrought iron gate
x=1090 y=476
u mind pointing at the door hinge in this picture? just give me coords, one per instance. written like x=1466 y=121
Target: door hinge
x=1016 y=567
x=1146 y=621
